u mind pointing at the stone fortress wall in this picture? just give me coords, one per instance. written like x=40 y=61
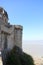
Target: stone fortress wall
x=10 y=35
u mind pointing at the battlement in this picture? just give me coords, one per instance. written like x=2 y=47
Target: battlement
x=18 y=27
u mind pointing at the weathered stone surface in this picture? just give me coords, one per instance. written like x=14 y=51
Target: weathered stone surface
x=13 y=33
x=4 y=54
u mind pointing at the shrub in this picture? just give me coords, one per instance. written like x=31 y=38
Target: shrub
x=14 y=58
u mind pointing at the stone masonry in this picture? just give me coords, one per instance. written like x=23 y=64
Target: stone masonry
x=10 y=35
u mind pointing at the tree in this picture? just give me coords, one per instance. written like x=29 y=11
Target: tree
x=14 y=58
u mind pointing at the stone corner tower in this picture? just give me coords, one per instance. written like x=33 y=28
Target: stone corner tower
x=18 y=35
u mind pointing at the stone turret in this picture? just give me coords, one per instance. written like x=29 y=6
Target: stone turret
x=3 y=16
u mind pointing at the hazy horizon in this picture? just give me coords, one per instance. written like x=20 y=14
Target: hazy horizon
x=34 y=48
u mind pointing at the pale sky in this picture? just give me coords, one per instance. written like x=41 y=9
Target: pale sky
x=28 y=13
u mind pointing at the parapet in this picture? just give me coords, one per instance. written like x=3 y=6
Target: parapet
x=18 y=27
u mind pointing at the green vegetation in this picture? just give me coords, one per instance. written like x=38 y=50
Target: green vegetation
x=13 y=58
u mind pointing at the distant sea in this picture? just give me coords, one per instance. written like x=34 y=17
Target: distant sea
x=34 y=48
